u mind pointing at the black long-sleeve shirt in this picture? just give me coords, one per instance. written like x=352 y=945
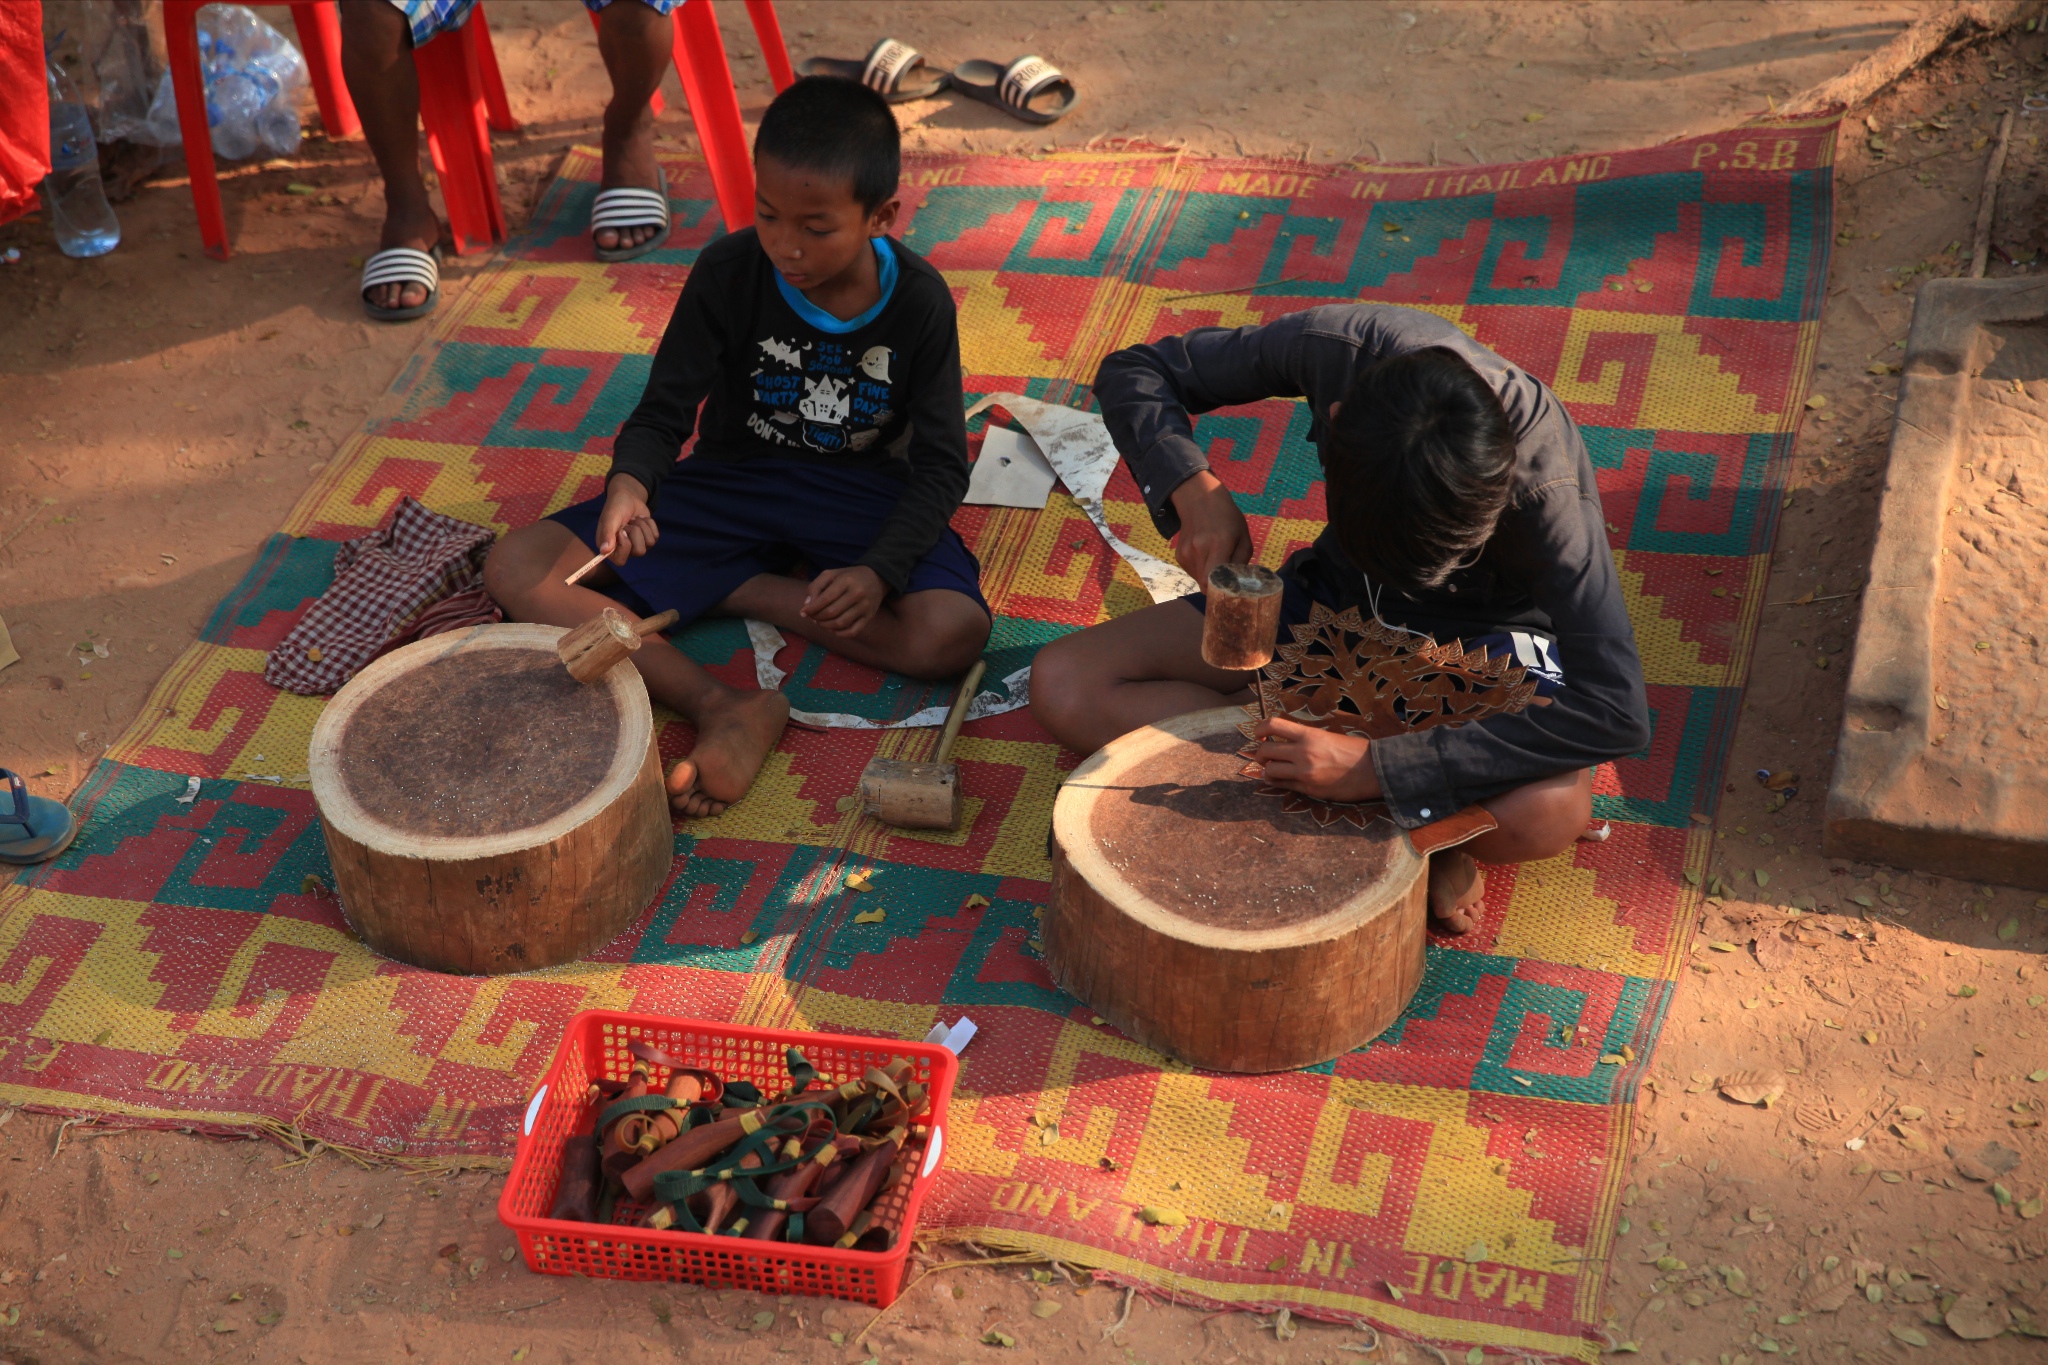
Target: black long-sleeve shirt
x=883 y=396
x=1547 y=567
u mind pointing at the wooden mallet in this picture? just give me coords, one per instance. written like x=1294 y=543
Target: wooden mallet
x=590 y=650
x=1241 y=620
x=922 y=795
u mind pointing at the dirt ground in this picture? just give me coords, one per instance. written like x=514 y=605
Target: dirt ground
x=164 y=411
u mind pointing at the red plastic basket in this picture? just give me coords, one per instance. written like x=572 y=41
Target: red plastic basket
x=595 y=1045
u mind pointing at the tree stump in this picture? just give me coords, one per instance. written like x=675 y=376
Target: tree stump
x=484 y=811
x=1204 y=920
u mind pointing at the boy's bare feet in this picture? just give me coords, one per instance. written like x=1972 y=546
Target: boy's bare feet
x=1456 y=887
x=734 y=737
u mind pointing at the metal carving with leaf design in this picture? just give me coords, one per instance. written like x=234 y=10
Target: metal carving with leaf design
x=1365 y=677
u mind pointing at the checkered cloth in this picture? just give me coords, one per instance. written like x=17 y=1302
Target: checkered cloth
x=418 y=575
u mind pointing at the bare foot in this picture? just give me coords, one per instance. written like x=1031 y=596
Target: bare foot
x=733 y=739
x=1456 y=887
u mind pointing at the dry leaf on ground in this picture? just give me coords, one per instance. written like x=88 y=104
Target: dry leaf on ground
x=1976 y=1318
x=1772 y=951
x=1829 y=1290
x=1988 y=1162
x=1753 y=1087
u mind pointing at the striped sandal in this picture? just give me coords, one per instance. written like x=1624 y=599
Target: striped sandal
x=33 y=829
x=1014 y=88
x=888 y=70
x=630 y=207
x=402 y=265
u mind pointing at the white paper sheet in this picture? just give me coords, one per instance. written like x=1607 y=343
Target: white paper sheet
x=1077 y=445
x=768 y=642
x=1010 y=473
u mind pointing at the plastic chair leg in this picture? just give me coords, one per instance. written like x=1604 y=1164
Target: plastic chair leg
x=768 y=29
x=319 y=28
x=459 y=140
x=495 y=104
x=181 y=49
x=655 y=103
x=715 y=109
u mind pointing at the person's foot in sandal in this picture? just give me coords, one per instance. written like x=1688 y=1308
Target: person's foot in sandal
x=1030 y=88
x=409 y=225
x=377 y=44
x=33 y=829
x=636 y=42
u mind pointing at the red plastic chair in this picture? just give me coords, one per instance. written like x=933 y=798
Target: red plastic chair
x=714 y=101
x=462 y=99
x=319 y=27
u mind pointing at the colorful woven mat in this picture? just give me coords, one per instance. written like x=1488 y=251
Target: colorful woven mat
x=1456 y=1180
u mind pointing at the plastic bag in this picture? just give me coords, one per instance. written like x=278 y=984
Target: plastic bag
x=253 y=77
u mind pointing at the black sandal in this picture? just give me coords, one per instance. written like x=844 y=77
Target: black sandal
x=888 y=64
x=1013 y=88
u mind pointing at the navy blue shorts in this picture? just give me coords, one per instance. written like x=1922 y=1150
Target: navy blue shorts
x=724 y=521
x=1532 y=651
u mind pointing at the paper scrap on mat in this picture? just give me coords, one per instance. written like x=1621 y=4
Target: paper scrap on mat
x=768 y=642
x=1010 y=473
x=1077 y=445
x=954 y=1038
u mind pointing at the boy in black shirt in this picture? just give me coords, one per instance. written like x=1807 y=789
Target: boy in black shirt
x=1462 y=503
x=826 y=358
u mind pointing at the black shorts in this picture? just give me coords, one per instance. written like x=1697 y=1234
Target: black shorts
x=724 y=521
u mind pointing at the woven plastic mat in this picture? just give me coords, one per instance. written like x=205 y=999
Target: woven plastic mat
x=185 y=964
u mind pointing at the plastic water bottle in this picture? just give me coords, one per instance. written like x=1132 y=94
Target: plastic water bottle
x=278 y=128
x=251 y=74
x=232 y=103
x=79 y=213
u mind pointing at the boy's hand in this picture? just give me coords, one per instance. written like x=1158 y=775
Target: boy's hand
x=1321 y=763
x=843 y=601
x=1212 y=529
x=625 y=527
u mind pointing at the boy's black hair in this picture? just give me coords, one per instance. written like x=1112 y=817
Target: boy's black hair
x=1418 y=463
x=837 y=127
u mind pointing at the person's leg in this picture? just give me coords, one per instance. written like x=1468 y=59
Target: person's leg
x=735 y=730
x=1108 y=680
x=935 y=633
x=1540 y=820
x=376 y=62
x=635 y=42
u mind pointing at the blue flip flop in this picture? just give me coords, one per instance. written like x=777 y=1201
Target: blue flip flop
x=46 y=827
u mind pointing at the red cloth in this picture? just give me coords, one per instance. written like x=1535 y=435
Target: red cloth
x=24 y=107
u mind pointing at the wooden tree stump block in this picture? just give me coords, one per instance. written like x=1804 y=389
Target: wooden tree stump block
x=1204 y=920
x=484 y=811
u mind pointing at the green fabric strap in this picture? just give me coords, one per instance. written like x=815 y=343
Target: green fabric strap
x=640 y=1104
x=677 y=1188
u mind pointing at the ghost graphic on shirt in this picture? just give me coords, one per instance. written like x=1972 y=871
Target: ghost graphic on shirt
x=825 y=401
x=792 y=356
x=874 y=363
